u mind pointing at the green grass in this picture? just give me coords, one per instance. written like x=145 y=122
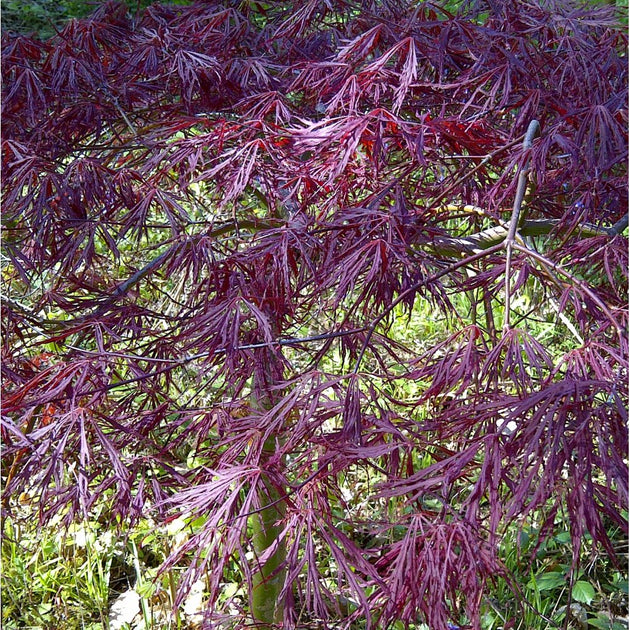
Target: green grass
x=67 y=580
x=55 y=575
x=599 y=593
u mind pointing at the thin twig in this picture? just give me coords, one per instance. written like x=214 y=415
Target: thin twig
x=174 y=363
x=286 y=341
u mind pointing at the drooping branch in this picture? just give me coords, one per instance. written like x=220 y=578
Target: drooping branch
x=122 y=289
x=282 y=341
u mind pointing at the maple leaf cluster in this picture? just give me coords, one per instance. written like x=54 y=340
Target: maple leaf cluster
x=214 y=217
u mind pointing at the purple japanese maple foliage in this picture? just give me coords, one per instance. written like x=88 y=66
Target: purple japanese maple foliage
x=213 y=217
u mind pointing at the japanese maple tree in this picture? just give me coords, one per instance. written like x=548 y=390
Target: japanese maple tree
x=215 y=217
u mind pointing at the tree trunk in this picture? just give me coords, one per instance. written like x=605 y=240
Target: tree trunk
x=266 y=525
x=269 y=578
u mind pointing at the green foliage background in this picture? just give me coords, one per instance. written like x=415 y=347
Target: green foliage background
x=43 y=17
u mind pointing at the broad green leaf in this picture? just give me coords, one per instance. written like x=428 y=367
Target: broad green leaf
x=548 y=581
x=603 y=622
x=583 y=592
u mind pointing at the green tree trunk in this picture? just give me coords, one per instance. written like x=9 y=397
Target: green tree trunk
x=266 y=525
x=269 y=578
